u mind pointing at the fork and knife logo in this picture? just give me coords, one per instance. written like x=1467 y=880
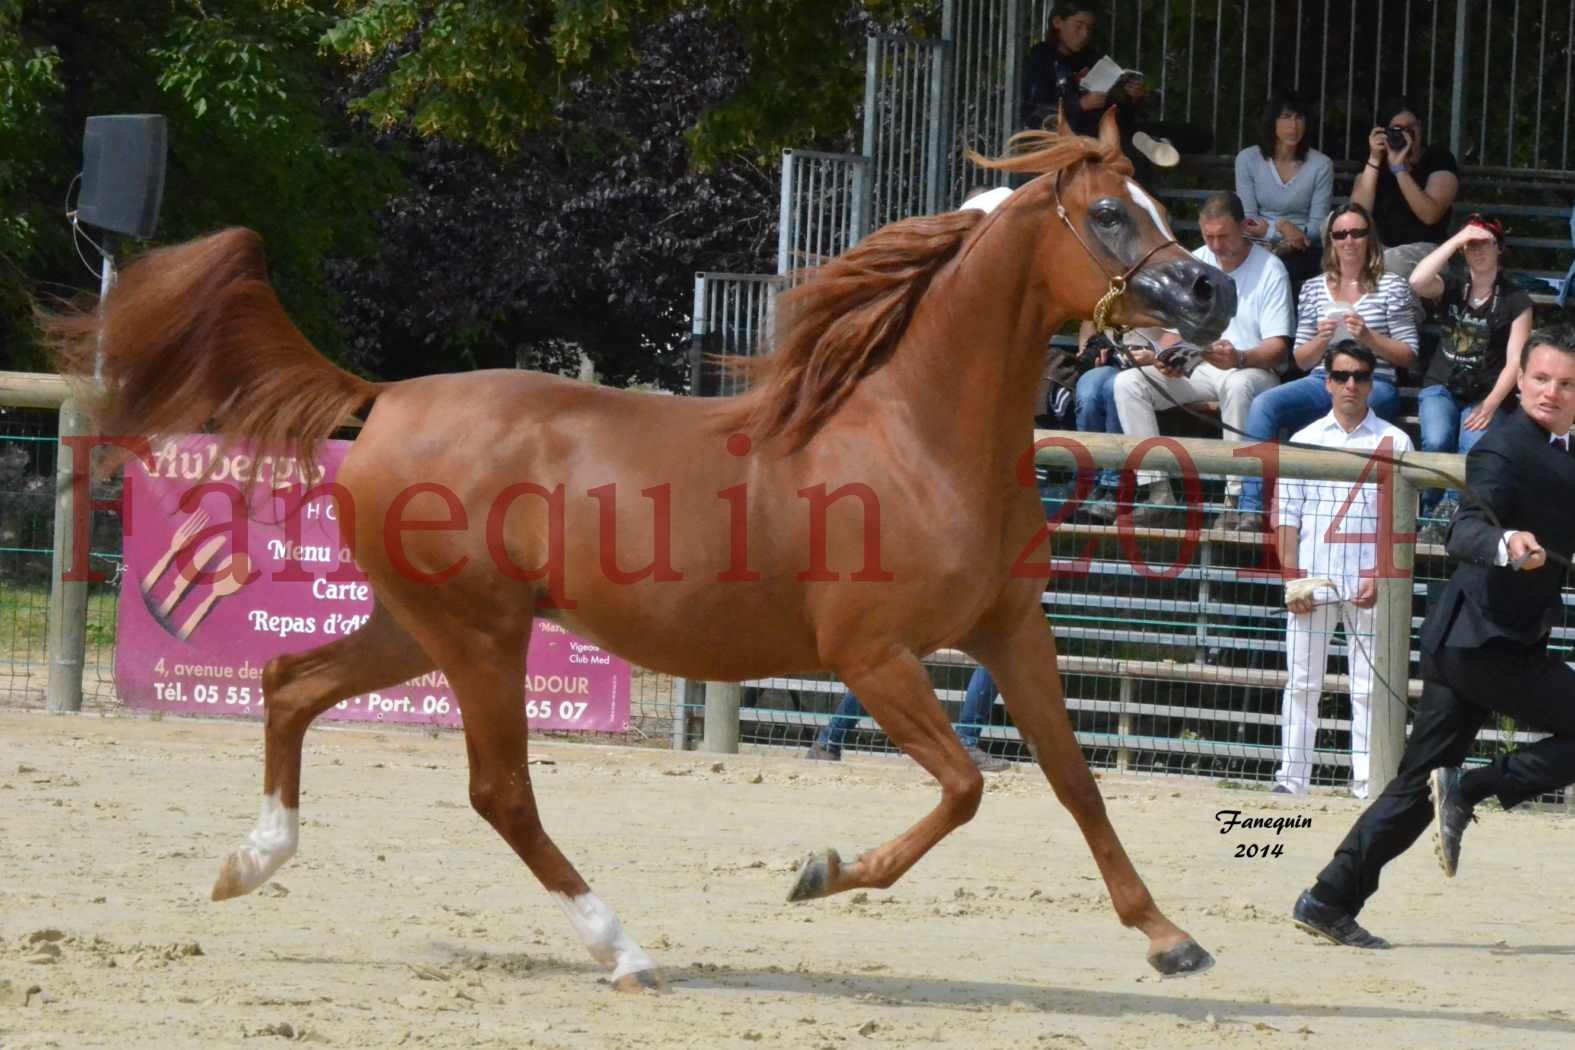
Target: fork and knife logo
x=229 y=577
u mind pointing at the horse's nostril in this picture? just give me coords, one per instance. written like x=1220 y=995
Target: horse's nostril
x=1203 y=289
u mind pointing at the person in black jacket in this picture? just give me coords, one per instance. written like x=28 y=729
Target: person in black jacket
x=1484 y=649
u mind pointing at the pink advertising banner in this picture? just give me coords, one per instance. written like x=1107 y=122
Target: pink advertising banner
x=211 y=593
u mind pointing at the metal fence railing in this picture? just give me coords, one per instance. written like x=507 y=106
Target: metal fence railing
x=906 y=126
x=732 y=315
x=1494 y=81
x=28 y=461
x=825 y=198
x=983 y=87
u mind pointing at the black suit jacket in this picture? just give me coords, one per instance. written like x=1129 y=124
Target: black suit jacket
x=1518 y=481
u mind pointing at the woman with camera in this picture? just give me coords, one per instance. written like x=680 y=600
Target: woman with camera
x=1284 y=186
x=1357 y=299
x=1409 y=188
x=1486 y=322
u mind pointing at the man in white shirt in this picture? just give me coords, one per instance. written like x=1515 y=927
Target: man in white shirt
x=1246 y=360
x=1314 y=518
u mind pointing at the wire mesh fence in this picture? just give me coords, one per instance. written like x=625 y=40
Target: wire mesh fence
x=28 y=455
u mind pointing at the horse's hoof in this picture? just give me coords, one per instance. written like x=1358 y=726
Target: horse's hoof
x=1184 y=960
x=231 y=881
x=815 y=875
x=641 y=981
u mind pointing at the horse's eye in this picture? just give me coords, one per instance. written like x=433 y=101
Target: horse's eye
x=1108 y=214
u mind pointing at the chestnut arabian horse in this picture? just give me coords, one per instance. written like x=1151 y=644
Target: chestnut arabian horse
x=706 y=538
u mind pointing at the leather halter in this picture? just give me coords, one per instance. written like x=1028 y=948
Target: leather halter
x=1118 y=282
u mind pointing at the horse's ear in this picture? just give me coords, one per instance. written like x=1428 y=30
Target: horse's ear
x=1110 y=131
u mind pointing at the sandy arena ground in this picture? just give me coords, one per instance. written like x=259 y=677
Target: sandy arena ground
x=406 y=922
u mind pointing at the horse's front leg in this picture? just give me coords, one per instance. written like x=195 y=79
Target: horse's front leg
x=1024 y=665
x=898 y=694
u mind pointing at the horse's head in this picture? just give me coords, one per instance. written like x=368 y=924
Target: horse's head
x=1106 y=250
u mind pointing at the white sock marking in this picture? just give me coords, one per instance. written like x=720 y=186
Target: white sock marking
x=1148 y=205
x=272 y=842
x=599 y=928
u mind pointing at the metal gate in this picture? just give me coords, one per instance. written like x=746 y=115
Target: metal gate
x=824 y=202
x=732 y=316
x=906 y=126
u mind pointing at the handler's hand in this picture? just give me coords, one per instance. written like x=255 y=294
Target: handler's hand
x=1366 y=595
x=1525 y=545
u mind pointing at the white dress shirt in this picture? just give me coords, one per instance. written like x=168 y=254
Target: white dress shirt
x=1320 y=511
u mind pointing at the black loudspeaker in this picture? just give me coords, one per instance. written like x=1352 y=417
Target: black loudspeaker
x=123 y=173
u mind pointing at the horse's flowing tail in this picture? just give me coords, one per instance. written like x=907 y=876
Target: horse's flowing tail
x=192 y=338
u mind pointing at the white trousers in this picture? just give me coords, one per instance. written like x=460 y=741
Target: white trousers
x=1137 y=401
x=1307 y=652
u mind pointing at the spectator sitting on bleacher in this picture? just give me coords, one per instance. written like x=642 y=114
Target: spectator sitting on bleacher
x=1471 y=376
x=1308 y=511
x=978 y=702
x=1053 y=71
x=1096 y=404
x=1409 y=189
x=1246 y=360
x=1354 y=299
x=1285 y=185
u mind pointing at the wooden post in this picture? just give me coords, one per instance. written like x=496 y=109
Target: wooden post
x=67 y=643
x=722 y=701
x=1392 y=627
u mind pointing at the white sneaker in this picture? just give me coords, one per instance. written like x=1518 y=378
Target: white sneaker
x=1160 y=151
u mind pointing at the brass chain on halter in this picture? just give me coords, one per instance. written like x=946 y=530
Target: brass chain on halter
x=1107 y=303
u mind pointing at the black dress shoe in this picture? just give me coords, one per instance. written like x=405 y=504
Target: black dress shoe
x=1332 y=923
x=1452 y=813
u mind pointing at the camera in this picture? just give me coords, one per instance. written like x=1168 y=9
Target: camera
x=1398 y=137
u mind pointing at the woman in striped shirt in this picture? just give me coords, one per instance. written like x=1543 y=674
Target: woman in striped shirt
x=1354 y=299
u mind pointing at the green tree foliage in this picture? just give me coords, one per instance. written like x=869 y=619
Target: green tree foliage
x=440 y=183
x=488 y=72
x=254 y=139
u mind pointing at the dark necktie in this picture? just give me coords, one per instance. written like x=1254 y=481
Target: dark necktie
x=1562 y=441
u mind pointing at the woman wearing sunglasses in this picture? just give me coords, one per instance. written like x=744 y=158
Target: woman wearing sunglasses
x=1472 y=374
x=1354 y=299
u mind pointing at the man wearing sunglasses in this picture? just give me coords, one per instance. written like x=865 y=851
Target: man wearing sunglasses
x=1484 y=649
x=1310 y=513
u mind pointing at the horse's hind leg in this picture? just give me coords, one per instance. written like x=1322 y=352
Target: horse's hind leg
x=487 y=673
x=298 y=687
x=1024 y=665
x=899 y=695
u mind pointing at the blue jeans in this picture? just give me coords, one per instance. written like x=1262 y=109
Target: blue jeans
x=1291 y=406
x=1096 y=412
x=978 y=701
x=1442 y=422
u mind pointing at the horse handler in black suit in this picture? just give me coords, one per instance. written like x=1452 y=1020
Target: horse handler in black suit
x=1484 y=649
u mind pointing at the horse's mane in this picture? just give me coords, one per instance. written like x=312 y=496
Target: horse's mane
x=848 y=316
